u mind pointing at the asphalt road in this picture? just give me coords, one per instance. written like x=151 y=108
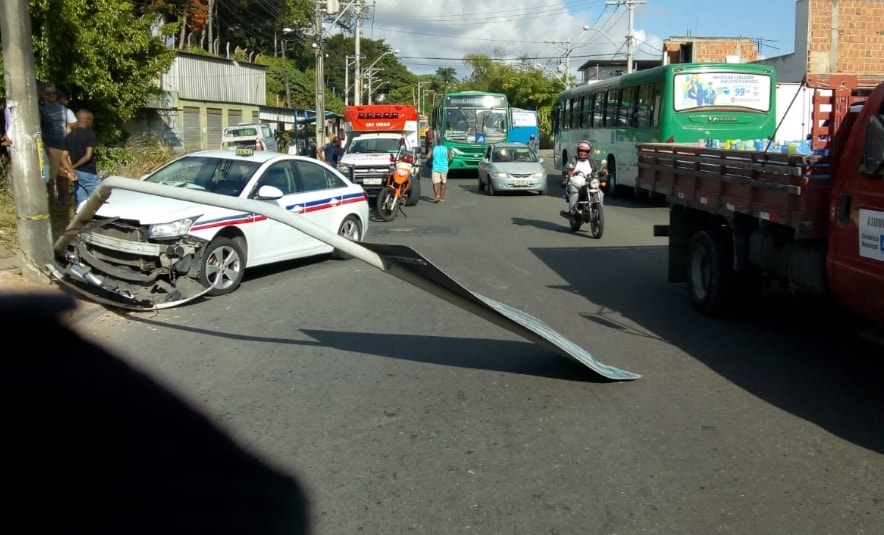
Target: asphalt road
x=400 y=413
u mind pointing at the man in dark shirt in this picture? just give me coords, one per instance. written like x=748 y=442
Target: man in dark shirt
x=78 y=158
x=53 y=126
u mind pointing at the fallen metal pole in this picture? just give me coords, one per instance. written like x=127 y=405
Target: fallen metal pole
x=398 y=260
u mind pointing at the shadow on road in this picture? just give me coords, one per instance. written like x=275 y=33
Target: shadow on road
x=804 y=358
x=504 y=356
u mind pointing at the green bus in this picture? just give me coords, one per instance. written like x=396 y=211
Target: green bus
x=468 y=121
x=697 y=103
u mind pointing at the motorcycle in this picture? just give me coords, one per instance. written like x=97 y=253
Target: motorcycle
x=394 y=194
x=589 y=207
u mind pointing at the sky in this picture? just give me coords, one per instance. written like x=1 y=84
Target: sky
x=430 y=35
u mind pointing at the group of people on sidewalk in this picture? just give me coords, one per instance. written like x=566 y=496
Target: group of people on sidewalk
x=67 y=153
x=69 y=142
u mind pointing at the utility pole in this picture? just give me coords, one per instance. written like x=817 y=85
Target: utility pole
x=29 y=191
x=318 y=45
x=630 y=35
x=357 y=76
x=566 y=48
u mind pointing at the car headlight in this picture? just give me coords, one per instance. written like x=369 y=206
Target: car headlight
x=540 y=174
x=594 y=183
x=498 y=174
x=170 y=230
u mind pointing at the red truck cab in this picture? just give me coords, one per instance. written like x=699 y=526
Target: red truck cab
x=855 y=259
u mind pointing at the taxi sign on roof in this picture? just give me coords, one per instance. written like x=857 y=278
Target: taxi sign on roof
x=244 y=152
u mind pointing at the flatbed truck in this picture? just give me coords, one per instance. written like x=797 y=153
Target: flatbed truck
x=812 y=222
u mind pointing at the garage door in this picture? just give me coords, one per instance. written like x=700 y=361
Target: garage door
x=234 y=117
x=213 y=128
x=191 y=137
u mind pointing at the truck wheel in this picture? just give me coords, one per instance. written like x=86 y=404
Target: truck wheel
x=709 y=271
x=223 y=266
x=414 y=194
x=350 y=229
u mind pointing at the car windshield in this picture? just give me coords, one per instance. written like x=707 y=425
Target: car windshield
x=227 y=176
x=513 y=154
x=381 y=144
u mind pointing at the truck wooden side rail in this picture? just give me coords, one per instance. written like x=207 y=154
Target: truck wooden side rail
x=788 y=189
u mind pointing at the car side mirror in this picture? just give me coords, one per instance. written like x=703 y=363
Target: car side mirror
x=269 y=193
x=539 y=160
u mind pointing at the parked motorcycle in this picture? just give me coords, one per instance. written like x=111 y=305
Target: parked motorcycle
x=394 y=195
x=589 y=208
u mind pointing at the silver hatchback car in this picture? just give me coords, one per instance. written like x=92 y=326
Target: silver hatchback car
x=511 y=167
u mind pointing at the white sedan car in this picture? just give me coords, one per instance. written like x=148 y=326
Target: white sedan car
x=148 y=251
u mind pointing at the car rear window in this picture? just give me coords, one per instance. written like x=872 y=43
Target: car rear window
x=241 y=132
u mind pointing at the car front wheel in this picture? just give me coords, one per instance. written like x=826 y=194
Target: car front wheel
x=223 y=266
x=352 y=230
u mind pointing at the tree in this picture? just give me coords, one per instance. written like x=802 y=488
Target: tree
x=447 y=78
x=103 y=53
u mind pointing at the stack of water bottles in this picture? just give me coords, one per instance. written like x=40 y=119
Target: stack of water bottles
x=759 y=145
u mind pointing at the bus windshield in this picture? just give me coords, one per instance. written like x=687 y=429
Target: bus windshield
x=464 y=123
x=721 y=89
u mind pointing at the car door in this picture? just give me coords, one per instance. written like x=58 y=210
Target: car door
x=324 y=196
x=269 y=140
x=270 y=240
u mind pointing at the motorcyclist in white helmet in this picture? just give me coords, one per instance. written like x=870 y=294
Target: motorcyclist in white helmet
x=578 y=173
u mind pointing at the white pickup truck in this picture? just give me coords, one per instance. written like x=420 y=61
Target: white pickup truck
x=255 y=136
x=366 y=161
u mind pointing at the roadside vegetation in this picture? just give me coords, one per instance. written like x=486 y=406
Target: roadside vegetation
x=139 y=155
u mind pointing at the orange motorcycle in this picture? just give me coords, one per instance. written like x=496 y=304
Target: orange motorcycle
x=394 y=195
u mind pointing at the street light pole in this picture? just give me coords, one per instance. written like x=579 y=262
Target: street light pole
x=369 y=71
x=285 y=65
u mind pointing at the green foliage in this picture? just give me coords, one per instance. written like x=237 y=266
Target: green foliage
x=106 y=57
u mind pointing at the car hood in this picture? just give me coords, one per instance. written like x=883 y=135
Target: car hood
x=148 y=209
x=519 y=168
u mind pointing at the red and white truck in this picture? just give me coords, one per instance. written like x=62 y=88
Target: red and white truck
x=814 y=222
x=374 y=133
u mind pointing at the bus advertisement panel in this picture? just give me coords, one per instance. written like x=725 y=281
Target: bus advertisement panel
x=679 y=103
x=468 y=121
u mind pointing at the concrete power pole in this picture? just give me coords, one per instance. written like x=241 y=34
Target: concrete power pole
x=357 y=76
x=630 y=35
x=567 y=49
x=319 y=45
x=31 y=200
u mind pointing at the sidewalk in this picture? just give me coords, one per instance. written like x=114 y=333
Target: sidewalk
x=18 y=291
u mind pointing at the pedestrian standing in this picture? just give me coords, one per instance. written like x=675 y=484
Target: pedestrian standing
x=53 y=125
x=78 y=157
x=441 y=157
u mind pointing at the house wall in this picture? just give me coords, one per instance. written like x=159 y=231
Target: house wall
x=834 y=36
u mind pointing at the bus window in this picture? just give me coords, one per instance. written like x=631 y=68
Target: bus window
x=611 y=108
x=626 y=116
x=598 y=110
x=644 y=107
x=587 y=111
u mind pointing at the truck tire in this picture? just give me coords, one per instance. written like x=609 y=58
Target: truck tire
x=414 y=194
x=710 y=272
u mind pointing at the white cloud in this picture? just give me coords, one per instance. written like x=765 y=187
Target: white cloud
x=439 y=34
